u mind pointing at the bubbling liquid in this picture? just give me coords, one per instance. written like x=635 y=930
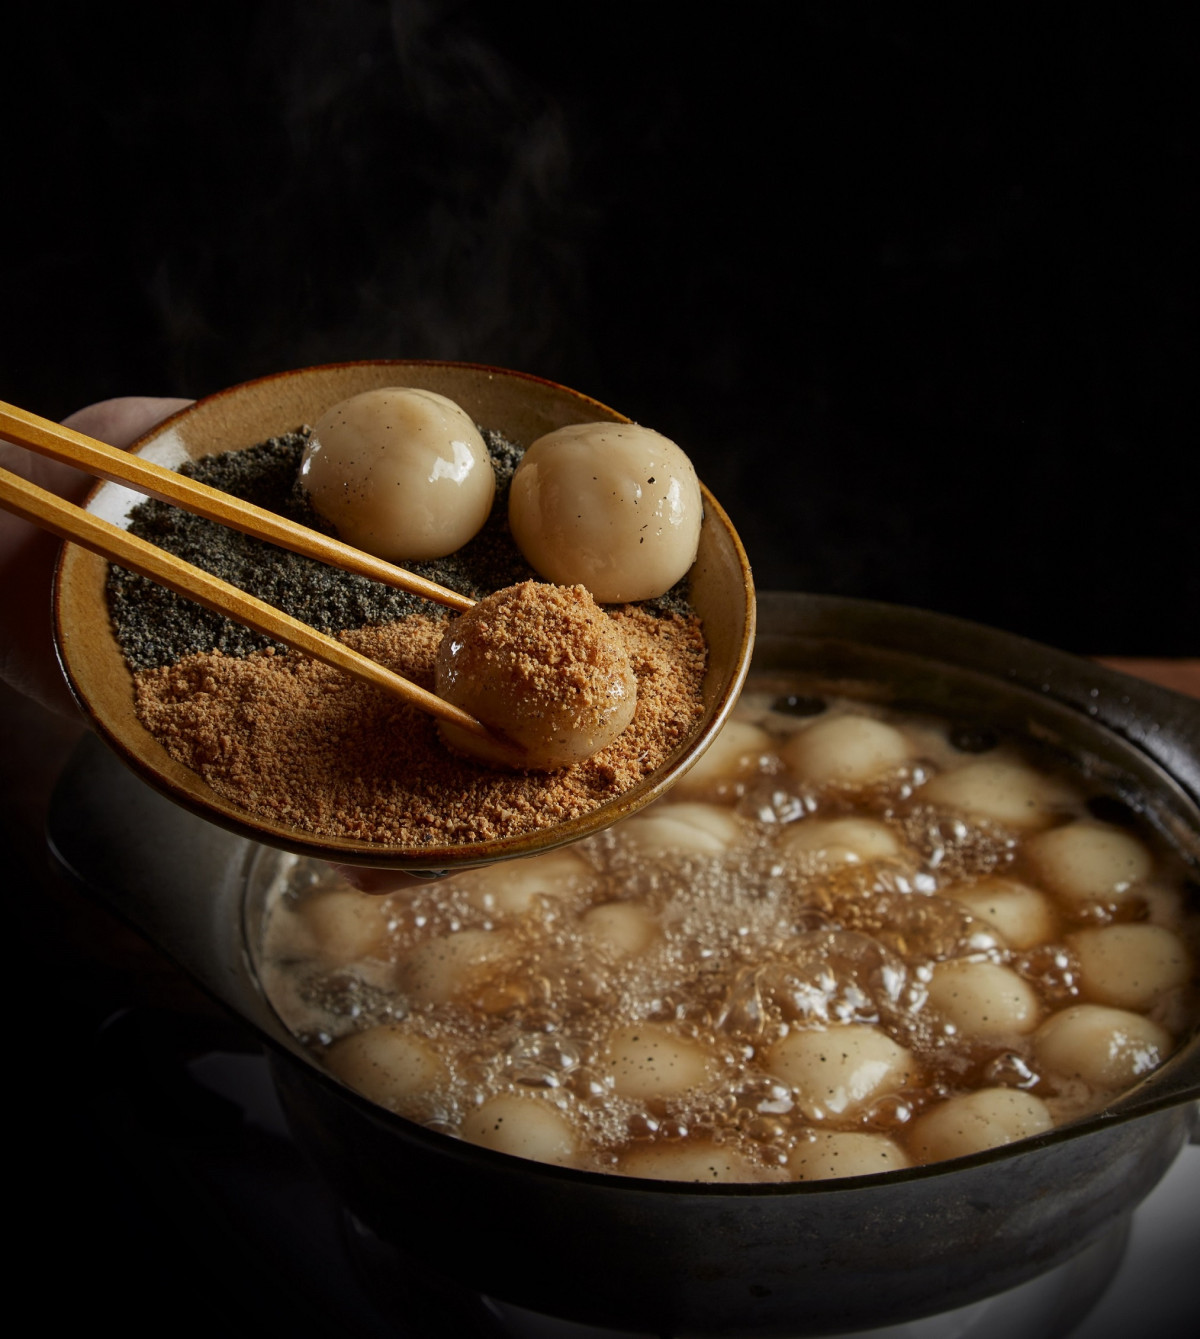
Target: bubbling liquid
x=849 y=941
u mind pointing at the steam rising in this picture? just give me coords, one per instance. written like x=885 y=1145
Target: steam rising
x=417 y=192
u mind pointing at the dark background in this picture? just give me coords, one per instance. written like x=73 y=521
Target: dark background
x=915 y=289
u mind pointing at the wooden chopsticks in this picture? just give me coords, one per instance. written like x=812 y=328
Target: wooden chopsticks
x=52 y=513
x=107 y=462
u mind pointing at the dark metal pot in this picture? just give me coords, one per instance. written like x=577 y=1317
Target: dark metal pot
x=805 y=1258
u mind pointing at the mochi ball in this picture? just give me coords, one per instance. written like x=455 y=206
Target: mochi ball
x=342 y=925
x=1089 y=862
x=692 y=1160
x=544 y=667
x=706 y=829
x=839 y=841
x=1106 y=1048
x=1021 y=914
x=977 y=1121
x=511 y=887
x=839 y=1070
x=609 y=506
x=386 y=1065
x=623 y=929
x=646 y=1060
x=737 y=754
x=848 y=749
x=526 y=1127
x=983 y=999
x=453 y=967
x=402 y=473
x=1129 y=966
x=1010 y=793
x=826 y=1154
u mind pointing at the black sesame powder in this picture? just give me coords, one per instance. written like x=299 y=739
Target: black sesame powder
x=155 y=627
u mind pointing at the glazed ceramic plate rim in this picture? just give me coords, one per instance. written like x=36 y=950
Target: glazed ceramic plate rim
x=95 y=669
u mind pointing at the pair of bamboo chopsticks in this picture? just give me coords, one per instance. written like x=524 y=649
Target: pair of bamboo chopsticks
x=52 y=513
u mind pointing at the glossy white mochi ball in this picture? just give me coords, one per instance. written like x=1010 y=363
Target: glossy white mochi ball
x=609 y=506
x=401 y=473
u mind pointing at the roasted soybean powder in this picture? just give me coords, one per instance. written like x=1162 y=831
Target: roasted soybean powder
x=301 y=743
x=545 y=669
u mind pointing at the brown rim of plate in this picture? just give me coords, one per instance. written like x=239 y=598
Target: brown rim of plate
x=521 y=405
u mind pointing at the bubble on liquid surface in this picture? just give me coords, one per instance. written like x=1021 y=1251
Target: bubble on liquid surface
x=751 y=945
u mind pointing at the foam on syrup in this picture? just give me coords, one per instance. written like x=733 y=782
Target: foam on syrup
x=702 y=993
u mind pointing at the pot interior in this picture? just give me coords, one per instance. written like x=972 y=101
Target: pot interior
x=1129 y=785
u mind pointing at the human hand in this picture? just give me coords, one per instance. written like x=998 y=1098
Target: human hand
x=28 y=554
